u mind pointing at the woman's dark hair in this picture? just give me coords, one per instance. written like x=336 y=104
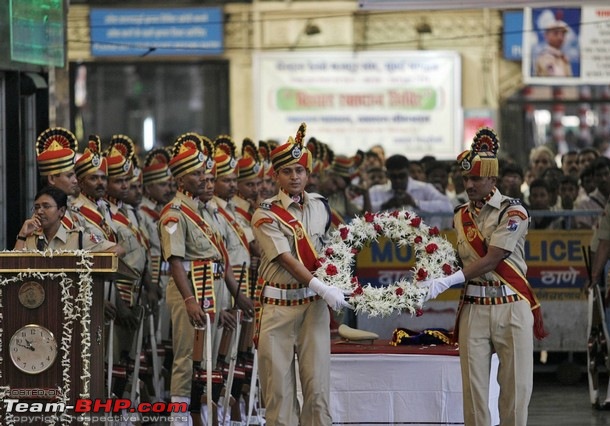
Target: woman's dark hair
x=60 y=197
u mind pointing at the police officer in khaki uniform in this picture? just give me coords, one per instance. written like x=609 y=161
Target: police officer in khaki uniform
x=188 y=243
x=225 y=190
x=268 y=185
x=44 y=230
x=56 y=148
x=92 y=173
x=551 y=62
x=291 y=227
x=91 y=170
x=131 y=297
x=249 y=180
x=156 y=179
x=226 y=287
x=120 y=173
x=498 y=310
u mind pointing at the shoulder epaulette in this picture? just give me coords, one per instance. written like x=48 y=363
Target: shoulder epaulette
x=265 y=206
x=74 y=208
x=513 y=202
x=175 y=205
x=458 y=208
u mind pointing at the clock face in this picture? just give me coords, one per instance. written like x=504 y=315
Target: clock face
x=33 y=349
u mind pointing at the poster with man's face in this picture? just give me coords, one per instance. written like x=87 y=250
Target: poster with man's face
x=566 y=46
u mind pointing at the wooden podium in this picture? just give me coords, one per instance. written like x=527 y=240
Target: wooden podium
x=52 y=325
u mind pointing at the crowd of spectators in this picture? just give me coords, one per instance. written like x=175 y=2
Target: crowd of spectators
x=576 y=181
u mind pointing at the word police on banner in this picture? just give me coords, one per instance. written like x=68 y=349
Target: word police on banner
x=554 y=259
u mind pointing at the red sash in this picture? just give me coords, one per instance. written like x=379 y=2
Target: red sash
x=207 y=230
x=124 y=220
x=305 y=250
x=96 y=218
x=507 y=273
x=238 y=230
x=66 y=221
x=335 y=218
x=152 y=213
x=243 y=213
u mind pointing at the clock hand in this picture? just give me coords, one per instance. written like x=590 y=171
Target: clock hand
x=29 y=346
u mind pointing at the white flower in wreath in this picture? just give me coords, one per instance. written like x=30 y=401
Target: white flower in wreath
x=434 y=258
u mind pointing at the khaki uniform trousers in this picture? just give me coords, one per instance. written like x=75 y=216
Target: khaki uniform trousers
x=284 y=330
x=507 y=329
x=183 y=334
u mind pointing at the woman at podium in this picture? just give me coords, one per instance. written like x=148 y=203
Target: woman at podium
x=45 y=230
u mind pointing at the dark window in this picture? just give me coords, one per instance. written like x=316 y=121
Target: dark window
x=177 y=97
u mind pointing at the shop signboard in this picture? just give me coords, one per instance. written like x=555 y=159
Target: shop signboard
x=407 y=101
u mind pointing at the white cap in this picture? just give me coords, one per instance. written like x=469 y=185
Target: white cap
x=548 y=21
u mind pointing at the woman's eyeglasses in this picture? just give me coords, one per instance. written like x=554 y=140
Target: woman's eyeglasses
x=45 y=207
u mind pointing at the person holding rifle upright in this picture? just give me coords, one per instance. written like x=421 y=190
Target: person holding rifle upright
x=250 y=171
x=291 y=228
x=156 y=179
x=238 y=247
x=119 y=157
x=197 y=259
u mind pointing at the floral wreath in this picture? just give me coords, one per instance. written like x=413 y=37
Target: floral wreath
x=435 y=258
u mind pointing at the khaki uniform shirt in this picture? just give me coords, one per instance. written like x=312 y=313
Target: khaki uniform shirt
x=238 y=254
x=552 y=62
x=243 y=222
x=149 y=223
x=276 y=238
x=66 y=239
x=72 y=215
x=180 y=236
x=88 y=225
x=503 y=224
x=135 y=252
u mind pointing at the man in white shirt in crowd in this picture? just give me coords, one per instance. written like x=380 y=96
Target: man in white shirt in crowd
x=402 y=192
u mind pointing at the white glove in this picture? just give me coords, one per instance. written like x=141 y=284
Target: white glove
x=333 y=296
x=439 y=285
